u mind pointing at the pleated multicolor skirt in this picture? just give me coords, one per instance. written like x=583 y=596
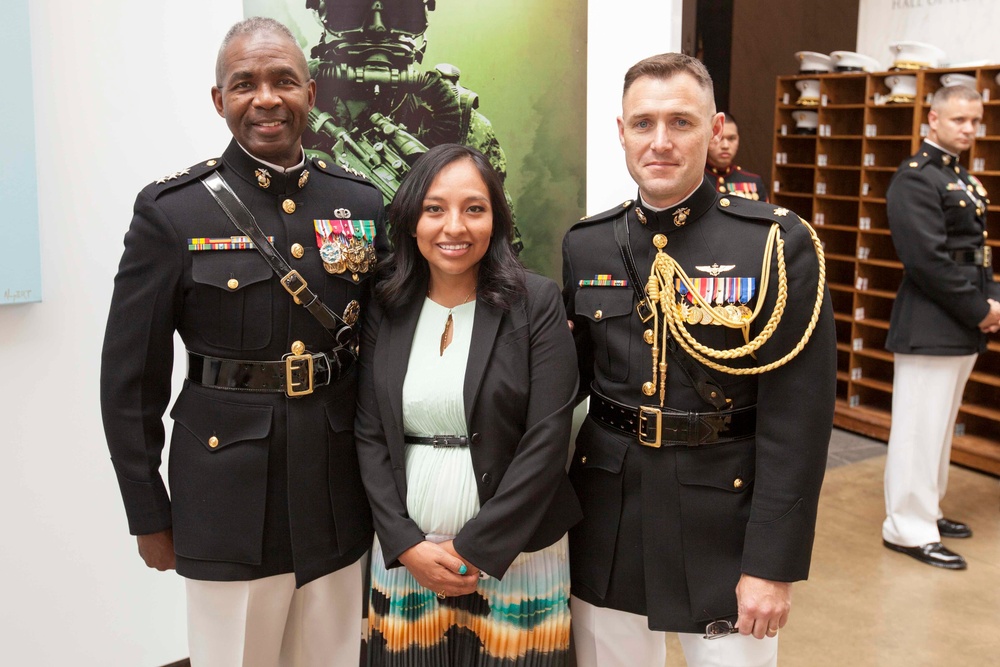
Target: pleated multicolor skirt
x=520 y=621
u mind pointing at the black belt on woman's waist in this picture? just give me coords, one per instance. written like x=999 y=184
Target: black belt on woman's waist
x=296 y=375
x=437 y=440
x=978 y=257
x=665 y=427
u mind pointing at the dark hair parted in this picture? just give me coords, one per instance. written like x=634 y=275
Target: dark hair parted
x=405 y=273
x=666 y=65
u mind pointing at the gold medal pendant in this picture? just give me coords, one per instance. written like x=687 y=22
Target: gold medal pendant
x=695 y=315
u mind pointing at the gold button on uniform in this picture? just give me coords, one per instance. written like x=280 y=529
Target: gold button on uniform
x=321 y=164
x=598 y=314
x=213 y=442
x=647 y=336
x=961 y=203
x=722 y=189
x=737 y=483
x=298 y=250
x=660 y=241
x=211 y=163
x=233 y=283
x=355 y=277
x=583 y=459
x=723 y=202
x=298 y=347
x=913 y=164
x=288 y=206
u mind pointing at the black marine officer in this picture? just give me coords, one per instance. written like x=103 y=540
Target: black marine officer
x=707 y=347
x=266 y=517
x=944 y=309
x=730 y=178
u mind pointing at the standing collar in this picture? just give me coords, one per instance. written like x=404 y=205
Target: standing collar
x=264 y=175
x=938 y=155
x=690 y=208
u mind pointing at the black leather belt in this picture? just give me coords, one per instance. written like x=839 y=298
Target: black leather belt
x=978 y=257
x=437 y=440
x=664 y=427
x=305 y=372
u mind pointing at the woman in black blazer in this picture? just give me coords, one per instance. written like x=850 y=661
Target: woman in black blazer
x=468 y=377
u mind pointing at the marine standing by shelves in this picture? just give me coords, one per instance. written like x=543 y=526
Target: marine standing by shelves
x=946 y=305
x=730 y=178
x=707 y=347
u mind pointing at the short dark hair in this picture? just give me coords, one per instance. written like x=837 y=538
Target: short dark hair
x=252 y=26
x=960 y=91
x=665 y=66
x=402 y=276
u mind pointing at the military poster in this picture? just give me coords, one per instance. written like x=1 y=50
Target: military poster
x=20 y=261
x=396 y=77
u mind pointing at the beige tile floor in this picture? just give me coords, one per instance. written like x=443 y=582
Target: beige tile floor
x=866 y=606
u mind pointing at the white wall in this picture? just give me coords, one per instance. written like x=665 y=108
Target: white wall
x=121 y=98
x=619 y=34
x=965 y=29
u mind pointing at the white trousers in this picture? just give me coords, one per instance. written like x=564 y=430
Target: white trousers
x=611 y=638
x=269 y=623
x=926 y=394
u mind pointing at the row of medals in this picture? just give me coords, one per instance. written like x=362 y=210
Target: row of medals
x=695 y=314
x=353 y=255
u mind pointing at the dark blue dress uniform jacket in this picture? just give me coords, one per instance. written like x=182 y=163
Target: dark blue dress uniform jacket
x=281 y=491
x=667 y=532
x=933 y=211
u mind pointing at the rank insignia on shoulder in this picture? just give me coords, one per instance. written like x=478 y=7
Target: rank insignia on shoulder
x=351 y=170
x=223 y=243
x=781 y=211
x=170 y=177
x=603 y=280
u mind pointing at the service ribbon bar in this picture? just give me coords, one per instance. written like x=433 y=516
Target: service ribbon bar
x=603 y=280
x=223 y=243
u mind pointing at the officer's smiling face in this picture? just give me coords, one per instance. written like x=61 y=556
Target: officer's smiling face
x=265 y=95
x=665 y=128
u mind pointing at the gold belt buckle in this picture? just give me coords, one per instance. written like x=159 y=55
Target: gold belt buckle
x=292 y=363
x=644 y=413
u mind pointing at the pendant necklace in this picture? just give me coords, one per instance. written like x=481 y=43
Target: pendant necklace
x=446 y=335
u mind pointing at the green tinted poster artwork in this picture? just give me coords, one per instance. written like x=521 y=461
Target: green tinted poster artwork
x=20 y=259
x=396 y=77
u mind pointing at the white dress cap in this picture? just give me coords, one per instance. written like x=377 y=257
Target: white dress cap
x=954 y=79
x=808 y=92
x=902 y=88
x=811 y=62
x=849 y=61
x=916 y=55
x=805 y=121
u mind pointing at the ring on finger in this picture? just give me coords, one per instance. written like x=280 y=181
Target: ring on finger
x=772 y=632
x=441 y=595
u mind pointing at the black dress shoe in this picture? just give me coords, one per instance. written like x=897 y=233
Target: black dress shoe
x=934 y=553
x=949 y=528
